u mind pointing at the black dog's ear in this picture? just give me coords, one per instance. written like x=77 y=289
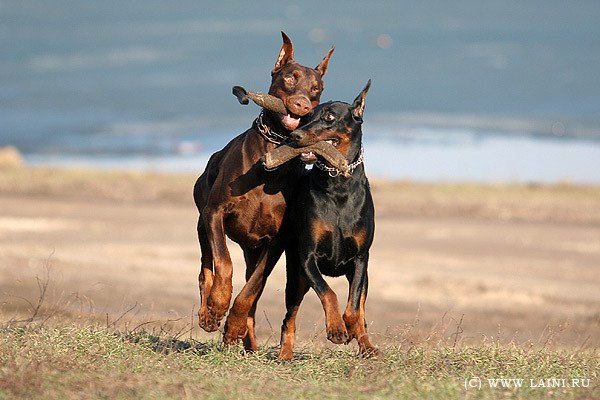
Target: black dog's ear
x=286 y=54
x=358 y=107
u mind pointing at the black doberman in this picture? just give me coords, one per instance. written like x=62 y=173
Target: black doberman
x=236 y=197
x=330 y=226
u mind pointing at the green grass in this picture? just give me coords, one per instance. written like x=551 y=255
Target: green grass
x=75 y=362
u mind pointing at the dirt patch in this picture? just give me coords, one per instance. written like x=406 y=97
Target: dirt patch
x=499 y=262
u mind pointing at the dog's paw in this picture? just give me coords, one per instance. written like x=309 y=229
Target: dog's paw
x=208 y=323
x=337 y=334
x=370 y=352
x=234 y=330
x=215 y=311
x=286 y=353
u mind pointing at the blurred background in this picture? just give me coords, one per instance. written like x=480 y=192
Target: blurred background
x=469 y=90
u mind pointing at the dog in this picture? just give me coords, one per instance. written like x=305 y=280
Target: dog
x=237 y=197
x=330 y=227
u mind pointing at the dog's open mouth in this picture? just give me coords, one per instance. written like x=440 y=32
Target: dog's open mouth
x=311 y=158
x=290 y=121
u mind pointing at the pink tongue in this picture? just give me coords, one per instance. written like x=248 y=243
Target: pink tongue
x=290 y=123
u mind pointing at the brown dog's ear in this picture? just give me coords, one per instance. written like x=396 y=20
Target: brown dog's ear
x=286 y=54
x=322 y=67
x=358 y=107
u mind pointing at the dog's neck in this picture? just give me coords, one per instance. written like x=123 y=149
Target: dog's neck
x=327 y=181
x=270 y=129
x=355 y=150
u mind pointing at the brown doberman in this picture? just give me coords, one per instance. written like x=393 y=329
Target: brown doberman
x=237 y=197
x=331 y=224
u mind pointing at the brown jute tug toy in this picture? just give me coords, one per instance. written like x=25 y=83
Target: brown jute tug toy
x=284 y=153
x=264 y=100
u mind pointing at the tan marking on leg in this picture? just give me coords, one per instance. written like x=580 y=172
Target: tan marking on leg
x=336 y=328
x=236 y=325
x=288 y=336
x=355 y=323
x=250 y=343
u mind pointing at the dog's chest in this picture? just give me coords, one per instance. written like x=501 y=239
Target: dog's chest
x=337 y=251
x=252 y=222
x=340 y=232
x=338 y=246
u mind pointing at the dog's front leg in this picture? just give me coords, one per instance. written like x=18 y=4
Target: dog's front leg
x=354 y=316
x=220 y=293
x=205 y=277
x=336 y=328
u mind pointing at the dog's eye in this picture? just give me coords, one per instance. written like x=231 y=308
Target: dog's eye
x=289 y=79
x=329 y=117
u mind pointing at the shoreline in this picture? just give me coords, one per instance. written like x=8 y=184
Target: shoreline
x=418 y=153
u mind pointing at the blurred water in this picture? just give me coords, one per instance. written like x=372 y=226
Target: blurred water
x=467 y=90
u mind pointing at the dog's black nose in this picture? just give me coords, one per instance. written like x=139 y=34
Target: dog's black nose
x=298 y=135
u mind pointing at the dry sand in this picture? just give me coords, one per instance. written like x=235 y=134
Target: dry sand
x=489 y=262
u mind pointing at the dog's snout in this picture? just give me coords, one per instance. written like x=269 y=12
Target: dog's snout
x=299 y=105
x=303 y=107
x=298 y=135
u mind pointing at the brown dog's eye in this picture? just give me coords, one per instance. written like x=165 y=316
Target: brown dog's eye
x=289 y=80
x=329 y=117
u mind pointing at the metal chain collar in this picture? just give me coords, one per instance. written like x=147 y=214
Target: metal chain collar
x=271 y=136
x=266 y=132
x=333 y=172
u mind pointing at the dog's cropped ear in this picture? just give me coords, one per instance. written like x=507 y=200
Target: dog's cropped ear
x=286 y=54
x=322 y=67
x=358 y=107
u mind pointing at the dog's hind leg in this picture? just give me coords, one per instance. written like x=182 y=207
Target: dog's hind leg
x=240 y=321
x=250 y=343
x=296 y=287
x=237 y=325
x=273 y=256
x=252 y=257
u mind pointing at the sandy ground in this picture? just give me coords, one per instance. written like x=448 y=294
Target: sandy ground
x=506 y=263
